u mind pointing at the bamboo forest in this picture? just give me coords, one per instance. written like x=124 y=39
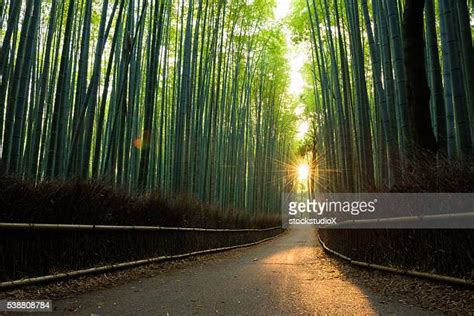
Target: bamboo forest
x=184 y=96
x=237 y=157
x=378 y=96
x=193 y=96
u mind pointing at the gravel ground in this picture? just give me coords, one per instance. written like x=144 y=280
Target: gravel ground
x=288 y=275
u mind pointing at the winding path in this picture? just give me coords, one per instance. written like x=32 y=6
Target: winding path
x=288 y=275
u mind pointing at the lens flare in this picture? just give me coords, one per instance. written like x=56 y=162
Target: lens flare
x=142 y=142
x=137 y=143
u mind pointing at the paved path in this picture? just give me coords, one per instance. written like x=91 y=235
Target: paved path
x=288 y=275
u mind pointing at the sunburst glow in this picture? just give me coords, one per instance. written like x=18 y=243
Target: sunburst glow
x=303 y=172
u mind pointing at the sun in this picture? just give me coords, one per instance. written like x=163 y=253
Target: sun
x=303 y=171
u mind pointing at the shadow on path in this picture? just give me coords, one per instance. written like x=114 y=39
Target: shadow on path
x=288 y=275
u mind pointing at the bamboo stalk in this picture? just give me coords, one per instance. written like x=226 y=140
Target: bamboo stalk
x=35 y=226
x=406 y=219
x=424 y=275
x=124 y=265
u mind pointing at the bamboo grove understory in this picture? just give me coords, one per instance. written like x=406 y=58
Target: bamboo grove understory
x=366 y=101
x=184 y=96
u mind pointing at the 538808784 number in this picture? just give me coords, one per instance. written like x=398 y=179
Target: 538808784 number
x=26 y=305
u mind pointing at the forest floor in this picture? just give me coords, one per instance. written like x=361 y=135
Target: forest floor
x=288 y=275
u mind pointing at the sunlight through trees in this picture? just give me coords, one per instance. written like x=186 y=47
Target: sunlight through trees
x=369 y=110
x=183 y=96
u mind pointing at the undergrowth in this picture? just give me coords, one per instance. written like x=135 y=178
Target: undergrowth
x=441 y=251
x=90 y=202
